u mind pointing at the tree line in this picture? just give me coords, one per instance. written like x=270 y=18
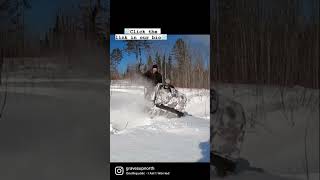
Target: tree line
x=184 y=66
x=265 y=42
x=78 y=40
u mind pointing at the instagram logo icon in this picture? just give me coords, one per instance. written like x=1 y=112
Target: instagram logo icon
x=119 y=170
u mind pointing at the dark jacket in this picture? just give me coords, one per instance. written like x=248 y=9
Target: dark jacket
x=155 y=78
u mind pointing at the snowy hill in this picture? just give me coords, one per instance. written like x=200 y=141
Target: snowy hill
x=53 y=129
x=266 y=176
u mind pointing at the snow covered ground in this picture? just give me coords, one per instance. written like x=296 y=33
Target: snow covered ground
x=282 y=131
x=53 y=129
x=158 y=139
x=267 y=176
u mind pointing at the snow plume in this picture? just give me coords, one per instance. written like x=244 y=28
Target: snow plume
x=138 y=79
x=133 y=114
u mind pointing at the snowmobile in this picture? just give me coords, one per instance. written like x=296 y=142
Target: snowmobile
x=165 y=98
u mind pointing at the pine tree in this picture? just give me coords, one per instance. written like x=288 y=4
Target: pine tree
x=181 y=55
x=163 y=67
x=136 y=47
x=149 y=62
x=169 y=68
x=158 y=61
x=115 y=58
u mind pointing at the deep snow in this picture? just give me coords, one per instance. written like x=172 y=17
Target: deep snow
x=141 y=138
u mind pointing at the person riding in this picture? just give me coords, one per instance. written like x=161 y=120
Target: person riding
x=153 y=75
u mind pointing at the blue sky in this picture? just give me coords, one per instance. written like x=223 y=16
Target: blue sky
x=200 y=42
